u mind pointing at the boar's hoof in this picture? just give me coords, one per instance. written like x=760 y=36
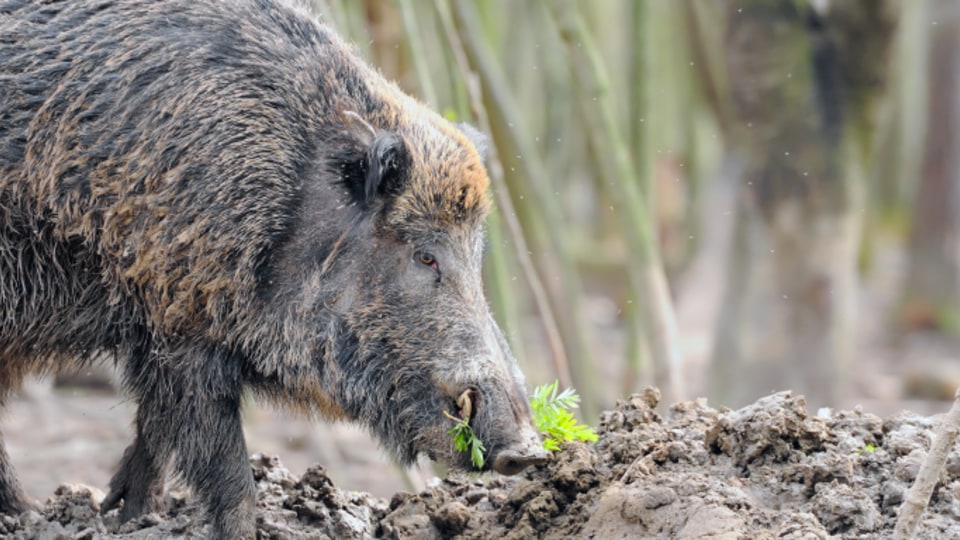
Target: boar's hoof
x=510 y=461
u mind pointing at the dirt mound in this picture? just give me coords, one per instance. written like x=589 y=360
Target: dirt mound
x=767 y=470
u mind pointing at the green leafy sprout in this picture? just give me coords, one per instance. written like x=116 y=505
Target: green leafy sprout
x=551 y=414
x=465 y=441
x=866 y=449
x=554 y=419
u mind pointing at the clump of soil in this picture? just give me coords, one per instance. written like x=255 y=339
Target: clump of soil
x=768 y=469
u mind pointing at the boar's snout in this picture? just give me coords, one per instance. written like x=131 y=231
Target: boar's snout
x=501 y=417
x=511 y=461
x=519 y=442
x=488 y=390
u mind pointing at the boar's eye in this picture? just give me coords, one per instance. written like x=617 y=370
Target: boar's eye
x=427 y=259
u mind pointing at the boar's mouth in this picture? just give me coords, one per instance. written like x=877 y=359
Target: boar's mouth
x=524 y=447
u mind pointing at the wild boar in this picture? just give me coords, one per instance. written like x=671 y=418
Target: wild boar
x=226 y=199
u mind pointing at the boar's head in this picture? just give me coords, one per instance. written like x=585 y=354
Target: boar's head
x=385 y=267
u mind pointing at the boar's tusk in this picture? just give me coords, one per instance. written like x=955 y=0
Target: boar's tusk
x=465 y=404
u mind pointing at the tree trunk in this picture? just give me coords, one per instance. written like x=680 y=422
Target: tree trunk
x=802 y=82
x=931 y=294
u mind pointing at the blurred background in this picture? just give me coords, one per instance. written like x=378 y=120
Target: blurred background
x=720 y=198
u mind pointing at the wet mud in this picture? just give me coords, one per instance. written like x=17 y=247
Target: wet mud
x=769 y=470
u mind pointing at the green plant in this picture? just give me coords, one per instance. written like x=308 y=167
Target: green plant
x=866 y=449
x=465 y=440
x=551 y=413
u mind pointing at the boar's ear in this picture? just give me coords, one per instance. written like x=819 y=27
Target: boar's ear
x=387 y=165
x=477 y=137
x=381 y=165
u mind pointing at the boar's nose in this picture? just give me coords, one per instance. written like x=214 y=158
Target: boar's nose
x=511 y=461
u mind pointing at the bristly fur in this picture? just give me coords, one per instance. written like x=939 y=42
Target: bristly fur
x=224 y=197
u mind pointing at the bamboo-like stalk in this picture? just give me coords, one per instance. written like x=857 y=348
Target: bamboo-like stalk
x=559 y=121
x=498 y=280
x=507 y=122
x=647 y=272
x=513 y=50
x=637 y=350
x=706 y=48
x=918 y=496
x=417 y=52
x=495 y=169
x=638 y=72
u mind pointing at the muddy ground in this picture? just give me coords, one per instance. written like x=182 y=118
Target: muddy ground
x=768 y=470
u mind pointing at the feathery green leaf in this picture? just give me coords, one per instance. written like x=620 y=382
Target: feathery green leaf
x=551 y=413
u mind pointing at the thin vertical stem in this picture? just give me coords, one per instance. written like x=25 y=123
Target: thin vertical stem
x=916 y=500
x=417 y=52
x=622 y=182
x=505 y=305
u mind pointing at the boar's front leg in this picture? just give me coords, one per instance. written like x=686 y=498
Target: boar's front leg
x=12 y=500
x=189 y=407
x=139 y=480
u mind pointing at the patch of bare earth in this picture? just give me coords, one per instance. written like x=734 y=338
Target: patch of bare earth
x=769 y=470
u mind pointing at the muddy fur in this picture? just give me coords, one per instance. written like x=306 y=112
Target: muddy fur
x=224 y=198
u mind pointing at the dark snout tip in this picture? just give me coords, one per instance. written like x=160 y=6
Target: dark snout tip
x=510 y=462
